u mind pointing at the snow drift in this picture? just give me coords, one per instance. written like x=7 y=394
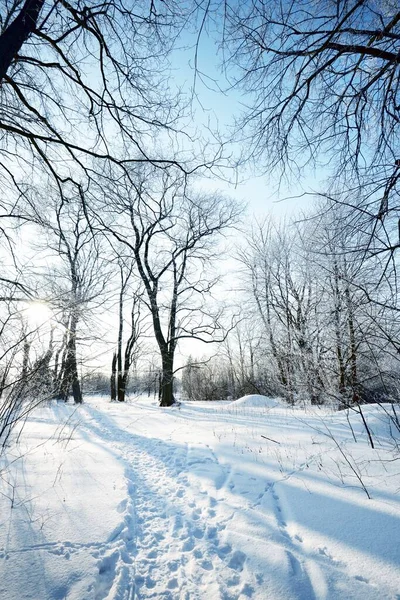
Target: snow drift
x=256 y=401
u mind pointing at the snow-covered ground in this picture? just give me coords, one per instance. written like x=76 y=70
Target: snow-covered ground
x=132 y=501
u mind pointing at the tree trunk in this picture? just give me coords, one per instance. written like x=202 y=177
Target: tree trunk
x=354 y=383
x=70 y=375
x=167 y=384
x=121 y=385
x=59 y=368
x=76 y=390
x=124 y=375
x=339 y=350
x=113 y=386
x=355 y=395
x=25 y=361
x=16 y=34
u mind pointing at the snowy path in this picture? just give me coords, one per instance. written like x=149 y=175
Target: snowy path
x=191 y=504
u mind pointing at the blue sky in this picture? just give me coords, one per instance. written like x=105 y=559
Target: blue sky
x=215 y=106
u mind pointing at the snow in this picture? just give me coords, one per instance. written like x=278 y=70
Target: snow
x=256 y=401
x=131 y=501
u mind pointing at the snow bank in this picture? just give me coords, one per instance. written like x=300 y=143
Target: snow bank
x=256 y=401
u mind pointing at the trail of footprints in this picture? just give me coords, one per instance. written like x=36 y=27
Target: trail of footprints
x=171 y=542
x=303 y=586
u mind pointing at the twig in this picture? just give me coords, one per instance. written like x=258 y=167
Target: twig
x=269 y=439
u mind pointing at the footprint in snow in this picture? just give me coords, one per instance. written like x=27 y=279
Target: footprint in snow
x=207 y=564
x=360 y=578
x=198 y=533
x=324 y=552
x=233 y=581
x=237 y=560
x=122 y=506
x=177 y=525
x=115 y=534
x=106 y=575
x=173 y=566
x=247 y=590
x=224 y=551
x=60 y=591
x=172 y=584
x=150 y=583
x=188 y=545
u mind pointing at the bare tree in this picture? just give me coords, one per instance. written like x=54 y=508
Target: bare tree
x=78 y=81
x=285 y=301
x=363 y=306
x=75 y=283
x=128 y=347
x=74 y=78
x=207 y=379
x=323 y=84
x=170 y=232
x=26 y=351
x=242 y=351
x=325 y=77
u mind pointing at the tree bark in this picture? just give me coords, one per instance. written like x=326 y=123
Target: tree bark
x=167 y=389
x=25 y=361
x=268 y=324
x=355 y=396
x=124 y=374
x=339 y=350
x=121 y=385
x=70 y=375
x=113 y=386
x=16 y=34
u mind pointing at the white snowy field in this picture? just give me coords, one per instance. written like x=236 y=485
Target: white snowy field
x=132 y=501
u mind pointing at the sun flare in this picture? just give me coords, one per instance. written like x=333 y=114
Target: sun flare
x=38 y=313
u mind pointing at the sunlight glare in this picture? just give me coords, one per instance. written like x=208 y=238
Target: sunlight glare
x=38 y=313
